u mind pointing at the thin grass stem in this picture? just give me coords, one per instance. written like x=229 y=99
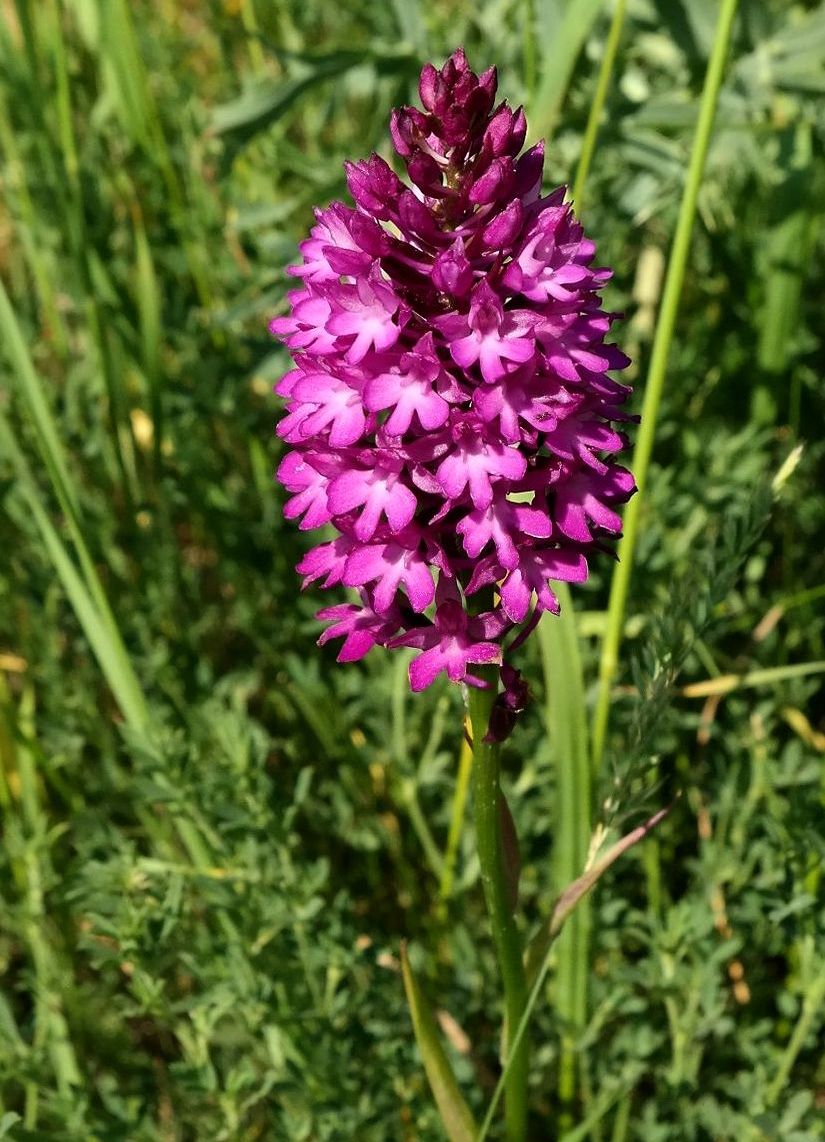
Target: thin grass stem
x=611 y=47
x=462 y=785
x=249 y=20
x=621 y=1123
x=811 y=1006
x=528 y=46
x=663 y=337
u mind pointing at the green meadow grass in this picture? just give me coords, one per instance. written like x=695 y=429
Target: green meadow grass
x=215 y=839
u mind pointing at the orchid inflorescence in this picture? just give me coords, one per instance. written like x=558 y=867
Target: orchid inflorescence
x=450 y=407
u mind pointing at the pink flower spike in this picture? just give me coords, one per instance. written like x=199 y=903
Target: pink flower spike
x=331 y=233
x=328 y=559
x=408 y=389
x=505 y=524
x=310 y=486
x=306 y=328
x=536 y=567
x=452 y=272
x=327 y=403
x=451 y=411
x=580 y=500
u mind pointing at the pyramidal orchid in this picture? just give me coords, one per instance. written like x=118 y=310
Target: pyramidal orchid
x=450 y=412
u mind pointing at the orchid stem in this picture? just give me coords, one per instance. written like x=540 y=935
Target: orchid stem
x=488 y=817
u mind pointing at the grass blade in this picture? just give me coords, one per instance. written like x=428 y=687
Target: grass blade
x=28 y=385
x=566 y=721
x=727 y=683
x=564 y=39
x=602 y=84
x=106 y=645
x=455 y=1114
x=50 y=446
x=568 y=901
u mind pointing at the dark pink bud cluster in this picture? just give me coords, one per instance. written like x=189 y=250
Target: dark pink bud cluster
x=450 y=411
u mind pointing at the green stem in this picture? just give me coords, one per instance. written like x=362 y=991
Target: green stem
x=462 y=783
x=811 y=1005
x=488 y=815
x=656 y=374
x=596 y=107
x=528 y=44
x=621 y=1123
x=409 y=797
x=250 y=26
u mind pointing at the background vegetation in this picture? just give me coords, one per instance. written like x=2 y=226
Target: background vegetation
x=214 y=836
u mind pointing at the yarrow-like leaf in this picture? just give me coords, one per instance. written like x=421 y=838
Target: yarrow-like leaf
x=450 y=412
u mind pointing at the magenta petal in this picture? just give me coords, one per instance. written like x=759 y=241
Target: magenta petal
x=452 y=476
x=382 y=391
x=425 y=668
x=348 y=491
x=364 y=565
x=357 y=644
x=515 y=596
x=465 y=352
x=367 y=522
x=419 y=583
x=400 y=506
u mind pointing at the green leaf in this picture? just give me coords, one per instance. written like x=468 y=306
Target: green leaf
x=538 y=947
x=564 y=38
x=410 y=19
x=455 y=1114
x=8 y=1120
x=264 y=102
x=787 y=249
x=537 y=959
x=566 y=721
x=105 y=643
x=31 y=392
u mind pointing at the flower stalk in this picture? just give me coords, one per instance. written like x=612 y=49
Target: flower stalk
x=489 y=814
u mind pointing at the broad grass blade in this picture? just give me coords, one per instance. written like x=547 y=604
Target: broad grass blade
x=31 y=392
x=105 y=643
x=455 y=1114
x=566 y=721
x=564 y=36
